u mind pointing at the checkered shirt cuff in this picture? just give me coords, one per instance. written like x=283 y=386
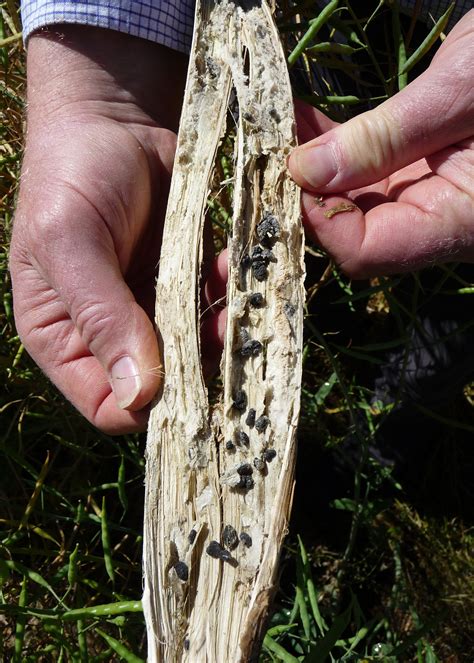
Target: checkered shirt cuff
x=166 y=22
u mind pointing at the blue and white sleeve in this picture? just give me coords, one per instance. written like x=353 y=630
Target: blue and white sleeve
x=166 y=22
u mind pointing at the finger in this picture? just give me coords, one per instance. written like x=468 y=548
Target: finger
x=428 y=115
x=310 y=122
x=214 y=315
x=212 y=341
x=429 y=223
x=216 y=284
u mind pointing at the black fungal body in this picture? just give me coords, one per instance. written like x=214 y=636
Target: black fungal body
x=289 y=310
x=230 y=537
x=212 y=67
x=262 y=423
x=260 y=260
x=245 y=470
x=262 y=253
x=243 y=335
x=268 y=230
x=246 y=539
x=246 y=482
x=229 y=445
x=269 y=455
x=214 y=549
x=245 y=261
x=250 y=420
x=259 y=464
x=182 y=571
x=251 y=348
x=275 y=114
x=192 y=536
x=240 y=401
x=242 y=438
x=260 y=270
x=256 y=300
x=186 y=644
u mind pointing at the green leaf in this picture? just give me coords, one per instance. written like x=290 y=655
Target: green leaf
x=325 y=389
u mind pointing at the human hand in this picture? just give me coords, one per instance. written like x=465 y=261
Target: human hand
x=408 y=165
x=102 y=111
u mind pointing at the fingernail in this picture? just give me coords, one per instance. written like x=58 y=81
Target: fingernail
x=316 y=165
x=125 y=380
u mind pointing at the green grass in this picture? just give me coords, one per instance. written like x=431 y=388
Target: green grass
x=374 y=569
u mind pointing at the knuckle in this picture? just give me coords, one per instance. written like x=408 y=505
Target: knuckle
x=371 y=140
x=39 y=222
x=94 y=321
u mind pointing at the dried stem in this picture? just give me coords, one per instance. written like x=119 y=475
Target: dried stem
x=214 y=474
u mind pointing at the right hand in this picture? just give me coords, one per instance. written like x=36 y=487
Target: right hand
x=102 y=111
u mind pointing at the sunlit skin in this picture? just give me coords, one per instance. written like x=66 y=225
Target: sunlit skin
x=408 y=166
x=85 y=247
x=95 y=179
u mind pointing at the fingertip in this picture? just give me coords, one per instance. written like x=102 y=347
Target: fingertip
x=313 y=167
x=134 y=386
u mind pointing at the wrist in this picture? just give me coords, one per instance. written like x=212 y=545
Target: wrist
x=86 y=69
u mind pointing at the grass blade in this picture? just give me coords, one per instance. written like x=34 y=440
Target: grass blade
x=308 y=577
x=20 y=622
x=320 y=651
x=300 y=596
x=33 y=576
x=37 y=491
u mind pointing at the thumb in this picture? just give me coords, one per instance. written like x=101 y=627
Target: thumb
x=116 y=330
x=428 y=115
